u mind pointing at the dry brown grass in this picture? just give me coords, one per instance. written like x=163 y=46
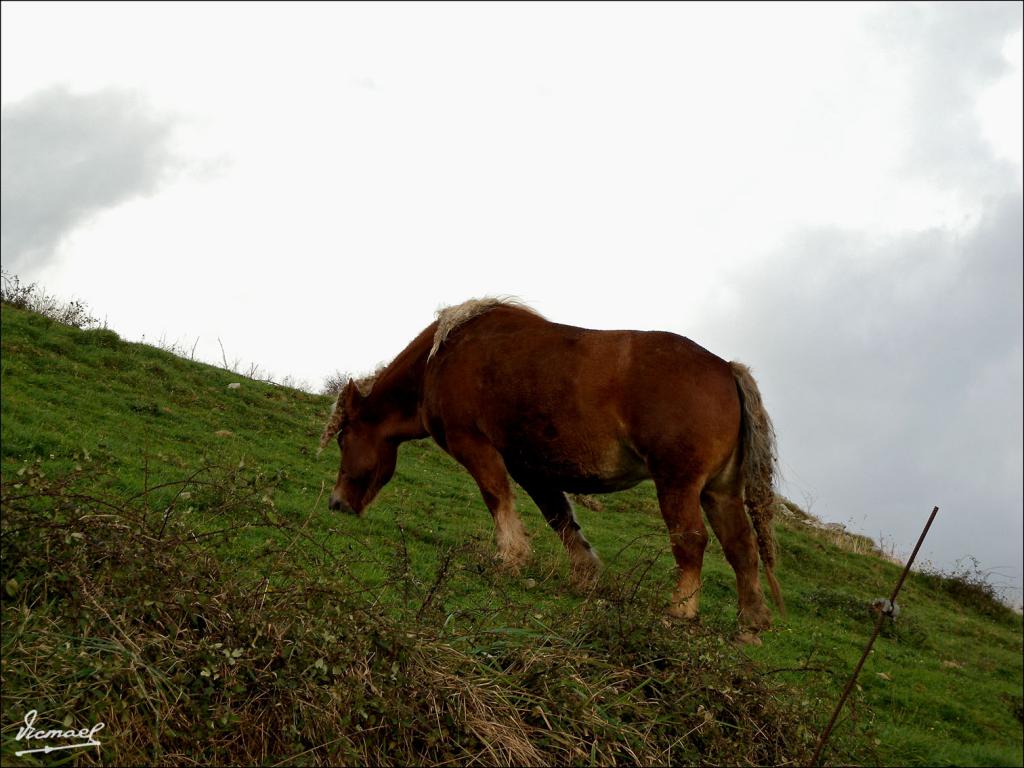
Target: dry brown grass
x=832 y=533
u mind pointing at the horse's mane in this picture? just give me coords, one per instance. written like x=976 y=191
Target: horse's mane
x=450 y=318
x=365 y=383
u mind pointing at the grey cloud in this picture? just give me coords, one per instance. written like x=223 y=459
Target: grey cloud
x=893 y=369
x=66 y=156
x=894 y=366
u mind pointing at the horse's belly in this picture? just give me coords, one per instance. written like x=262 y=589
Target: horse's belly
x=581 y=467
x=598 y=484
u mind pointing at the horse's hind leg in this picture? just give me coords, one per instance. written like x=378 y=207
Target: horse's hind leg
x=488 y=469
x=680 y=507
x=729 y=521
x=557 y=510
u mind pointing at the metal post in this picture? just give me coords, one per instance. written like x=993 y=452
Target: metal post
x=878 y=626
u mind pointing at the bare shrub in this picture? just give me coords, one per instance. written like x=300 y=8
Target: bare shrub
x=334 y=383
x=31 y=297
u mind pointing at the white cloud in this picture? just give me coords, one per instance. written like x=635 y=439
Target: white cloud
x=1001 y=107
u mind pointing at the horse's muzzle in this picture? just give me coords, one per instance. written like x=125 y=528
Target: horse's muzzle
x=338 y=504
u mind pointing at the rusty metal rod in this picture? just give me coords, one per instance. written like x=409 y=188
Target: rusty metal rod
x=878 y=626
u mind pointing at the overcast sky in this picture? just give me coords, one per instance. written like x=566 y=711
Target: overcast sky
x=829 y=193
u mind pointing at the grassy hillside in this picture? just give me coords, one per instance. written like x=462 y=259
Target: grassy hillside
x=170 y=568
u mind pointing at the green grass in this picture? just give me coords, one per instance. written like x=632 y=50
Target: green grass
x=131 y=423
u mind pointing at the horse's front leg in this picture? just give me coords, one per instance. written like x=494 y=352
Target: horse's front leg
x=487 y=467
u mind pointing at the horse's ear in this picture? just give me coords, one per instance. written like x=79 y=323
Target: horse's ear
x=351 y=397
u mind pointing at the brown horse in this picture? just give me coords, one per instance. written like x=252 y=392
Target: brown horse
x=564 y=409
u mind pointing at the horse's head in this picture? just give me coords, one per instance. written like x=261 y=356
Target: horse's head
x=367 y=457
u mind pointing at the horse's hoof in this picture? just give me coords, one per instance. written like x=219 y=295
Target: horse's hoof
x=748 y=638
x=682 y=613
x=755 y=619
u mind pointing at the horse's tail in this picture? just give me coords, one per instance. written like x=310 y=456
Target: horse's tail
x=757 y=471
